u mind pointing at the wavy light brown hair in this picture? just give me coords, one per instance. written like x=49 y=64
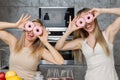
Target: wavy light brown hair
x=81 y=33
x=37 y=45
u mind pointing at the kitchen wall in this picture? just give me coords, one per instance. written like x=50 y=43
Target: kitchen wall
x=11 y=10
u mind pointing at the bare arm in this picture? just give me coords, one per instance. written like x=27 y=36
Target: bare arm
x=51 y=54
x=62 y=44
x=72 y=45
x=21 y=21
x=47 y=56
x=113 y=28
x=4 y=25
x=7 y=37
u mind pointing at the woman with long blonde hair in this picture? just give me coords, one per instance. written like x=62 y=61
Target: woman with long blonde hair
x=93 y=44
x=26 y=52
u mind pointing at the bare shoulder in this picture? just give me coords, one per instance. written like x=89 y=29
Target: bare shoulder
x=8 y=38
x=78 y=43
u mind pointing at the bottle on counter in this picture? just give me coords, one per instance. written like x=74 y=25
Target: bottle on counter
x=38 y=76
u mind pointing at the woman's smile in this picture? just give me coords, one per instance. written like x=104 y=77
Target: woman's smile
x=30 y=35
x=89 y=28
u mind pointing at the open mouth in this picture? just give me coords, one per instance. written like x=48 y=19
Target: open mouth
x=30 y=36
x=89 y=28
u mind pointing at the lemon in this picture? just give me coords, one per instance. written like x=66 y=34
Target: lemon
x=10 y=73
x=14 y=78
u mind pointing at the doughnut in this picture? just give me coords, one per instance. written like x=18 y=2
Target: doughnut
x=88 y=18
x=81 y=22
x=29 y=26
x=37 y=30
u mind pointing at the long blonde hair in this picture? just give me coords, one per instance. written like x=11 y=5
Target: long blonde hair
x=81 y=33
x=37 y=45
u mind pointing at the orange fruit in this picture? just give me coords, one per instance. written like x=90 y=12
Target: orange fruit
x=10 y=73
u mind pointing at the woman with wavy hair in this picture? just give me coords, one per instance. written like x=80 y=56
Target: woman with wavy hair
x=26 y=52
x=93 y=44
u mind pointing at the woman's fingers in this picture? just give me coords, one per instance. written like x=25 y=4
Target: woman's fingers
x=96 y=12
x=26 y=17
x=21 y=17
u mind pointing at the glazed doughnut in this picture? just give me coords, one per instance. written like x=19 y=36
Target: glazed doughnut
x=88 y=18
x=37 y=30
x=29 y=26
x=81 y=22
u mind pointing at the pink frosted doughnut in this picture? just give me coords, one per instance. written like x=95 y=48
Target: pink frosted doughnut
x=37 y=30
x=81 y=22
x=88 y=18
x=29 y=26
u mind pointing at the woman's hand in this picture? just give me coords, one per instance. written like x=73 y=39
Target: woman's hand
x=72 y=25
x=44 y=36
x=96 y=12
x=21 y=22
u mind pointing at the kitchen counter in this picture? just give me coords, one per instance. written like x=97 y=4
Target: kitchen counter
x=78 y=69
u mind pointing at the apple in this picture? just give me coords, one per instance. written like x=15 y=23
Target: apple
x=2 y=76
x=2 y=79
